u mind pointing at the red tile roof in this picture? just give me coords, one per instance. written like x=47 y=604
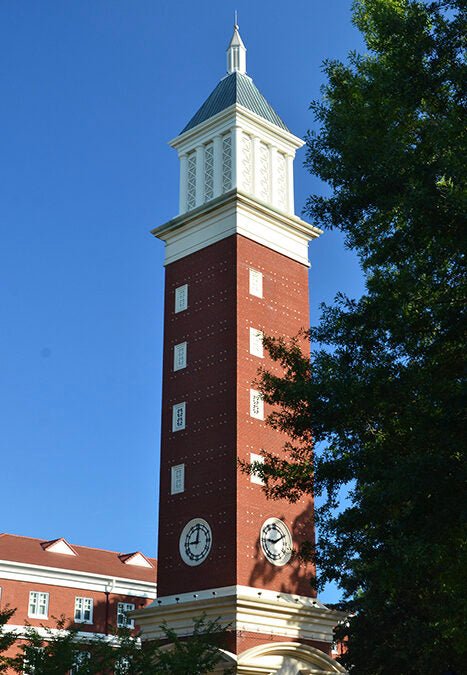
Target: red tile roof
x=95 y=560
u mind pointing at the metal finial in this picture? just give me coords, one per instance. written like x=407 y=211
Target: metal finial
x=236 y=20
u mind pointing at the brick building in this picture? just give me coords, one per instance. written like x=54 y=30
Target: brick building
x=236 y=264
x=93 y=588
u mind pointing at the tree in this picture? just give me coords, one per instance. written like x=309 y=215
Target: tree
x=58 y=651
x=381 y=396
x=7 y=639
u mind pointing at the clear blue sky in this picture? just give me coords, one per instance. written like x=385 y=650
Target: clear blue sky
x=91 y=92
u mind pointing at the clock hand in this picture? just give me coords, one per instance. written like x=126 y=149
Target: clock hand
x=274 y=541
x=197 y=536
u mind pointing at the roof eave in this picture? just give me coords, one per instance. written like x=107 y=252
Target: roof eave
x=186 y=137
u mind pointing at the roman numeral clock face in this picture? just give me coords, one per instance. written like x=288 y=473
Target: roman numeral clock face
x=195 y=542
x=276 y=541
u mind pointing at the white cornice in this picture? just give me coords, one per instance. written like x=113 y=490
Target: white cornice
x=43 y=632
x=54 y=576
x=236 y=213
x=242 y=609
x=224 y=120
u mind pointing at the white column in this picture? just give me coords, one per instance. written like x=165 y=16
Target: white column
x=274 y=197
x=183 y=182
x=217 y=150
x=290 y=192
x=256 y=165
x=199 y=175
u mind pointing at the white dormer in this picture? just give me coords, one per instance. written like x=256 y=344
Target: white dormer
x=137 y=559
x=236 y=141
x=58 y=546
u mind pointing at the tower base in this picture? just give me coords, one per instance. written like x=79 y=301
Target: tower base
x=266 y=632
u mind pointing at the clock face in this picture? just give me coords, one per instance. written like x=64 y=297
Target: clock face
x=195 y=542
x=276 y=541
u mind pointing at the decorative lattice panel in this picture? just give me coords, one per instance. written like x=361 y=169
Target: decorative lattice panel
x=208 y=172
x=191 y=184
x=247 y=163
x=281 y=181
x=264 y=173
x=226 y=163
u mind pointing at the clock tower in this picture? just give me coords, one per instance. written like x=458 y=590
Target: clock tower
x=236 y=261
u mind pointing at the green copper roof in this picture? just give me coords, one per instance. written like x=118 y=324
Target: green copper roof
x=235 y=88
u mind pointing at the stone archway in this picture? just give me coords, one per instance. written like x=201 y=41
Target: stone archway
x=286 y=658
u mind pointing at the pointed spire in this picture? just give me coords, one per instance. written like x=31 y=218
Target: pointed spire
x=236 y=52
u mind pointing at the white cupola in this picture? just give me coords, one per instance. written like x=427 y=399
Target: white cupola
x=236 y=140
x=236 y=53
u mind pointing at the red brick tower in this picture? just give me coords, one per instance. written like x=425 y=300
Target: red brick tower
x=236 y=268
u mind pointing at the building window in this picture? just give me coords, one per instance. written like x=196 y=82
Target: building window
x=123 y=621
x=256 y=283
x=83 y=610
x=177 y=479
x=226 y=163
x=256 y=342
x=208 y=172
x=38 y=605
x=256 y=405
x=191 y=189
x=254 y=478
x=80 y=660
x=180 y=356
x=181 y=298
x=178 y=416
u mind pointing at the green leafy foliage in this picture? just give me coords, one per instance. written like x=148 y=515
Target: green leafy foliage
x=383 y=392
x=61 y=651
x=6 y=638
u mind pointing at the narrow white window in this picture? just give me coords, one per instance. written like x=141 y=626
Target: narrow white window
x=256 y=405
x=38 y=605
x=123 y=621
x=177 y=479
x=83 y=610
x=180 y=356
x=254 y=478
x=256 y=283
x=181 y=298
x=256 y=342
x=178 y=416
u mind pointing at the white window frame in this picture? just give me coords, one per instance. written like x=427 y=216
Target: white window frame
x=82 y=606
x=254 y=478
x=255 y=282
x=256 y=342
x=180 y=351
x=256 y=405
x=177 y=479
x=38 y=599
x=176 y=409
x=181 y=298
x=122 y=609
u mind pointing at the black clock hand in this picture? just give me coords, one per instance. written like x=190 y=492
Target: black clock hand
x=197 y=536
x=274 y=541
